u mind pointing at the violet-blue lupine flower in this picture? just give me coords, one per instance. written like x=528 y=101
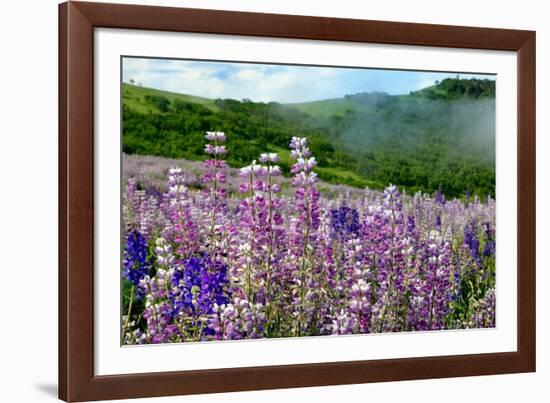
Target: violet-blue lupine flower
x=214 y=284
x=489 y=248
x=209 y=278
x=136 y=262
x=411 y=224
x=457 y=285
x=154 y=192
x=438 y=222
x=182 y=282
x=471 y=240
x=344 y=222
x=439 y=198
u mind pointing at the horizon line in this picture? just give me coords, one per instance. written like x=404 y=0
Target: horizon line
x=139 y=85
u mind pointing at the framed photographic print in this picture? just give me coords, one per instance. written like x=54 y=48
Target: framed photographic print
x=256 y=201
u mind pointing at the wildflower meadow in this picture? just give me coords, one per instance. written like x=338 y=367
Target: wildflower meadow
x=203 y=263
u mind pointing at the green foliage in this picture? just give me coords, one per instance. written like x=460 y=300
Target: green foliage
x=133 y=97
x=419 y=141
x=160 y=102
x=455 y=88
x=138 y=304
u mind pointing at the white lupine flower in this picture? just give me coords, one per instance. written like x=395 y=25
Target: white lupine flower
x=264 y=157
x=215 y=136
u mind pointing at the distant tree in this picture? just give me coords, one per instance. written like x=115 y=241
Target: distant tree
x=163 y=104
x=179 y=105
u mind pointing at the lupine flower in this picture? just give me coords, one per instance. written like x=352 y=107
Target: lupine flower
x=136 y=263
x=239 y=320
x=307 y=219
x=210 y=265
x=215 y=150
x=141 y=209
x=344 y=221
x=198 y=284
x=471 y=241
x=269 y=157
x=215 y=136
x=180 y=228
x=439 y=198
x=485 y=311
x=489 y=232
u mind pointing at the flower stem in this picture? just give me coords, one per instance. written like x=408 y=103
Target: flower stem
x=125 y=328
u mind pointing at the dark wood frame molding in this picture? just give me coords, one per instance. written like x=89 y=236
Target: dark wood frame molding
x=77 y=21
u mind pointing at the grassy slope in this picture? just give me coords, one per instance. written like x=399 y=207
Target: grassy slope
x=340 y=106
x=326 y=107
x=134 y=98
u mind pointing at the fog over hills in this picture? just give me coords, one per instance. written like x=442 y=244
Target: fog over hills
x=441 y=137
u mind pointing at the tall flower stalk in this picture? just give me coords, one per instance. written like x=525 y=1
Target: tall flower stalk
x=307 y=214
x=214 y=178
x=180 y=229
x=251 y=219
x=274 y=220
x=213 y=264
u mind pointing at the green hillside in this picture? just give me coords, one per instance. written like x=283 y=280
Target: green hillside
x=326 y=107
x=142 y=100
x=441 y=137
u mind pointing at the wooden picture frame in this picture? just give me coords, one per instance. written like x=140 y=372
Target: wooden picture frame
x=77 y=21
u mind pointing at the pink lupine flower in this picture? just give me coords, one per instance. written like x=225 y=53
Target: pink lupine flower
x=262 y=263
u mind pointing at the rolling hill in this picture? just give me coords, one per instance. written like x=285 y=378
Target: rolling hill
x=441 y=137
x=139 y=98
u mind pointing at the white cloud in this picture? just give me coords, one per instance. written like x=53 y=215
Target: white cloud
x=265 y=83
x=247 y=74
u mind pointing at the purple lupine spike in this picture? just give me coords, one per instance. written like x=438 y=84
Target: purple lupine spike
x=471 y=241
x=136 y=261
x=209 y=264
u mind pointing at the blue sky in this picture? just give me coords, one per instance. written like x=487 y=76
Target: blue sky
x=278 y=83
